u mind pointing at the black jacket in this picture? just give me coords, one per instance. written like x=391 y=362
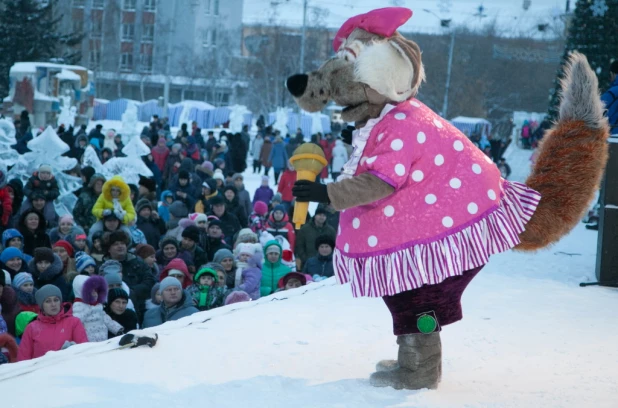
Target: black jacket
x=229 y=225
x=215 y=244
x=152 y=229
x=128 y=320
x=319 y=265
x=36 y=239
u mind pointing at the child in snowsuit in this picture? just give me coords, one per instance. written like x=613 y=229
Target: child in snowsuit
x=23 y=284
x=116 y=199
x=90 y=294
x=204 y=291
x=249 y=269
x=44 y=184
x=273 y=269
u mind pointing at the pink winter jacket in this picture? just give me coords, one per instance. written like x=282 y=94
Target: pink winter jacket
x=48 y=333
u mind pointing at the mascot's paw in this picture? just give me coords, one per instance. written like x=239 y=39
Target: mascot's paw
x=387 y=365
x=401 y=378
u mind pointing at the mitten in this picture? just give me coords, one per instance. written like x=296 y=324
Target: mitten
x=305 y=190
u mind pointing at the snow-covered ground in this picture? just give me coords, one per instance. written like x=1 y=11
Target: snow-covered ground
x=531 y=337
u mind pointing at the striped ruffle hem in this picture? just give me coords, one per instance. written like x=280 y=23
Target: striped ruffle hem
x=421 y=263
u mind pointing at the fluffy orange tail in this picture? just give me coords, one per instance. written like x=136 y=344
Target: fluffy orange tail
x=571 y=159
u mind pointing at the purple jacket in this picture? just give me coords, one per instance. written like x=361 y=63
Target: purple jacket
x=252 y=276
x=264 y=194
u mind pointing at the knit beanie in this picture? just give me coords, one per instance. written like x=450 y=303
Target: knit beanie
x=9 y=234
x=116 y=293
x=281 y=208
x=277 y=198
x=21 y=278
x=273 y=248
x=110 y=267
x=319 y=210
x=168 y=282
x=192 y=232
x=141 y=204
x=260 y=208
x=43 y=254
x=246 y=248
x=218 y=175
x=83 y=262
x=144 y=251
x=325 y=239
x=167 y=241
x=199 y=218
x=22 y=320
x=237 y=296
x=215 y=266
x=178 y=209
x=153 y=292
x=183 y=174
x=65 y=218
x=10 y=253
x=246 y=235
x=217 y=200
x=67 y=246
x=222 y=254
x=45 y=292
x=113 y=279
x=265 y=179
x=208 y=165
x=45 y=168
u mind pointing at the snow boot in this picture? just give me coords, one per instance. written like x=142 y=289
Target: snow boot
x=418 y=365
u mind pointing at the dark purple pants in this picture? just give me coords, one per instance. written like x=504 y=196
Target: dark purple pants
x=441 y=301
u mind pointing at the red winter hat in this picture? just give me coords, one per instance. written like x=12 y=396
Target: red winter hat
x=383 y=22
x=260 y=208
x=287 y=256
x=64 y=244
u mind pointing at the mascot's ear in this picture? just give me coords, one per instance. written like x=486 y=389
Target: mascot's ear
x=392 y=67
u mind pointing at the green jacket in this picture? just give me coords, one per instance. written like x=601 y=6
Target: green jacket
x=272 y=272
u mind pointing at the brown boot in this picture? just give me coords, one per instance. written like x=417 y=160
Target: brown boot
x=419 y=364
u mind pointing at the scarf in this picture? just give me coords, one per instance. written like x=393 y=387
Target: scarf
x=25 y=298
x=205 y=298
x=240 y=266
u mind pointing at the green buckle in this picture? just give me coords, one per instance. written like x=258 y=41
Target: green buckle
x=426 y=324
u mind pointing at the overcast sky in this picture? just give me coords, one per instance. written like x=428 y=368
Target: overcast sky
x=509 y=14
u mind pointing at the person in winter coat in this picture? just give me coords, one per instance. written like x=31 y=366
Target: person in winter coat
x=79 y=147
x=225 y=258
x=308 y=234
x=279 y=225
x=32 y=228
x=160 y=153
x=44 y=183
x=167 y=198
x=189 y=243
x=258 y=218
x=249 y=269
x=209 y=190
x=192 y=150
x=149 y=222
x=238 y=153
x=321 y=265
x=204 y=292
x=90 y=294
x=12 y=261
x=169 y=250
x=610 y=97
x=244 y=198
x=265 y=154
x=23 y=285
x=215 y=238
x=116 y=198
x=116 y=309
x=9 y=306
x=155 y=297
x=229 y=222
x=340 y=158
x=6 y=201
x=175 y=304
x=195 y=181
x=232 y=204
x=264 y=193
x=327 y=145
x=182 y=189
x=173 y=162
x=256 y=153
x=46 y=268
x=65 y=230
x=178 y=269
x=87 y=198
x=292 y=280
x=278 y=157
x=135 y=273
x=16 y=187
x=205 y=170
x=273 y=269
x=54 y=329
x=288 y=178
x=65 y=252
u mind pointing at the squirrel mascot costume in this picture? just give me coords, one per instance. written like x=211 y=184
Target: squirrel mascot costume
x=422 y=208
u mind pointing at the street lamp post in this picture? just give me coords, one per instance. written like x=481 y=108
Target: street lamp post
x=446 y=23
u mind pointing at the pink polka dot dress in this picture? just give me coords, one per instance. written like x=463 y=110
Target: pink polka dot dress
x=450 y=210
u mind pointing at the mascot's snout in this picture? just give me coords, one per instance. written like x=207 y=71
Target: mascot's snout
x=297 y=84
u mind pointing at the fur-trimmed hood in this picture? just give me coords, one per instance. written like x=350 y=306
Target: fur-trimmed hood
x=22 y=221
x=54 y=269
x=116 y=181
x=83 y=286
x=8 y=342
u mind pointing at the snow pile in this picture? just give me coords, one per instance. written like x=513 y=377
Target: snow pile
x=67 y=112
x=8 y=156
x=281 y=120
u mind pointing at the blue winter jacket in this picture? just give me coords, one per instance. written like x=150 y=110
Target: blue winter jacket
x=161 y=314
x=610 y=99
x=278 y=156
